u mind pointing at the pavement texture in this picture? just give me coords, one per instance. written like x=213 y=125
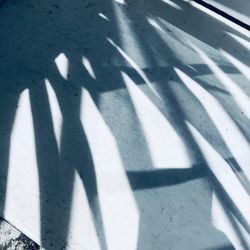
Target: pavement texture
x=124 y=125
x=12 y=239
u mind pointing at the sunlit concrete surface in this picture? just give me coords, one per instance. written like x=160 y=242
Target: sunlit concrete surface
x=124 y=125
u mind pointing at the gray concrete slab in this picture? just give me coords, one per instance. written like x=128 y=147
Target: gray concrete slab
x=124 y=125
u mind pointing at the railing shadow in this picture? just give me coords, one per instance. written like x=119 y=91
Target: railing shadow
x=32 y=37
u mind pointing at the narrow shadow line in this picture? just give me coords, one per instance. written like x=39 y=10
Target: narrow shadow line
x=224 y=14
x=221 y=248
x=229 y=212
x=47 y=162
x=226 y=199
x=140 y=180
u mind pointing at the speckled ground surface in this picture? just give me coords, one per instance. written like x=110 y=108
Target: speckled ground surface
x=124 y=125
x=12 y=239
